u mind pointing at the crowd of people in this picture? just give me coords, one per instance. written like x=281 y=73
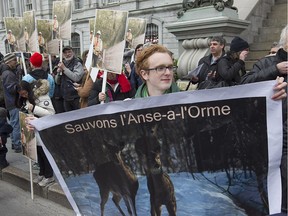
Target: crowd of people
x=150 y=73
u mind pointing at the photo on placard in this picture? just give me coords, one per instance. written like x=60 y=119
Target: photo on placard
x=14 y=41
x=135 y=32
x=62 y=18
x=28 y=139
x=30 y=32
x=109 y=39
x=45 y=42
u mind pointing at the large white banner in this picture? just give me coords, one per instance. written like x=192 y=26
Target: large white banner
x=206 y=152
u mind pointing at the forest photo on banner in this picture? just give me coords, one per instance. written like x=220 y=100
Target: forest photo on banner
x=209 y=147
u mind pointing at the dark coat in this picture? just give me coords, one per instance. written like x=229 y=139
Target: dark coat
x=10 y=86
x=207 y=67
x=265 y=69
x=134 y=78
x=230 y=70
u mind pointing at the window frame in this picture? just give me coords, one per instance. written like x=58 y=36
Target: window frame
x=152 y=33
x=29 y=5
x=78 y=4
x=76 y=43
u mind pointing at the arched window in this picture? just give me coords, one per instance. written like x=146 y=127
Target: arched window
x=75 y=43
x=152 y=33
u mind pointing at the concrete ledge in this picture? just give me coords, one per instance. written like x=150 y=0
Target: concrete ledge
x=16 y=177
x=21 y=179
x=56 y=194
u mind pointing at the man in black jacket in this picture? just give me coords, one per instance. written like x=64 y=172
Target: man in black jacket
x=209 y=63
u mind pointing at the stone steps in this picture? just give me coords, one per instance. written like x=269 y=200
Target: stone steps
x=261 y=46
x=268 y=37
x=270 y=32
x=21 y=179
x=281 y=1
x=256 y=55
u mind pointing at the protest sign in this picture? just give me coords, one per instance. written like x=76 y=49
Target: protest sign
x=15 y=33
x=45 y=42
x=28 y=139
x=213 y=147
x=137 y=27
x=109 y=39
x=30 y=32
x=62 y=18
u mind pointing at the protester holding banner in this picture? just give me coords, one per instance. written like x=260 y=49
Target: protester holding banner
x=269 y=68
x=156 y=59
x=36 y=101
x=69 y=71
x=117 y=88
x=11 y=87
x=155 y=66
x=38 y=73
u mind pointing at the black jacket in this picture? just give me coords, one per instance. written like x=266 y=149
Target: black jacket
x=265 y=69
x=10 y=87
x=230 y=70
x=207 y=67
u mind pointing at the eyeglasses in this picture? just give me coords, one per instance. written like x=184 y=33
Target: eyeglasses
x=162 y=69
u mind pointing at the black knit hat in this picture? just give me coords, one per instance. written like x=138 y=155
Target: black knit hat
x=238 y=44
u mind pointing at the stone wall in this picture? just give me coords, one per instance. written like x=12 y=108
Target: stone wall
x=256 y=17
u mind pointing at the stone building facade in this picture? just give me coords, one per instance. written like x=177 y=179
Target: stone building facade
x=158 y=15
